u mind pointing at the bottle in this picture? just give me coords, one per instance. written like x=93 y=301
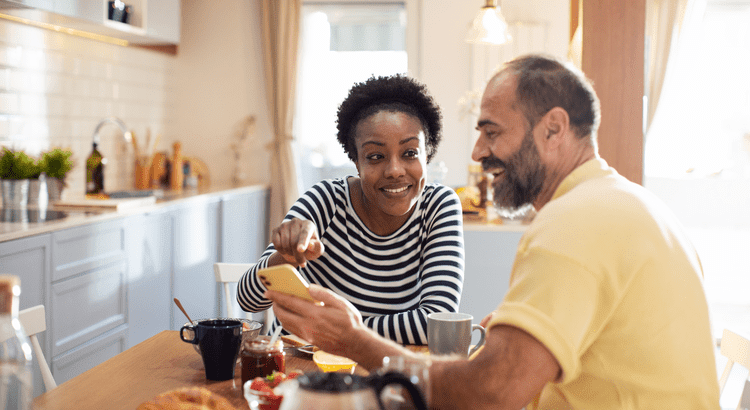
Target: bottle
x=176 y=171
x=95 y=172
x=15 y=350
x=479 y=180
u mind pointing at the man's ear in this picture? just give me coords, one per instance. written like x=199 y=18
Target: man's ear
x=556 y=123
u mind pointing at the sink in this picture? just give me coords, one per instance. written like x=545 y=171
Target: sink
x=136 y=193
x=30 y=215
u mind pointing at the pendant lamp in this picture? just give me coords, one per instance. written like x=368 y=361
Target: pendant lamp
x=489 y=26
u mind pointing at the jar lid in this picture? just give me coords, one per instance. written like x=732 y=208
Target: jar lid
x=261 y=344
x=10 y=286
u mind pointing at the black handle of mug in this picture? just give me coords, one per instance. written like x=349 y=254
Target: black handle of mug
x=182 y=335
x=379 y=382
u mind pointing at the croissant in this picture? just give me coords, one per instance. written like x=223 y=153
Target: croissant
x=187 y=398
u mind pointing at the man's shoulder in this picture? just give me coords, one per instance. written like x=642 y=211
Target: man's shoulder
x=600 y=205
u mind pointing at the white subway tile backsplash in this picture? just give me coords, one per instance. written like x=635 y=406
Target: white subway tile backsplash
x=9 y=103
x=55 y=89
x=5 y=75
x=10 y=55
x=32 y=105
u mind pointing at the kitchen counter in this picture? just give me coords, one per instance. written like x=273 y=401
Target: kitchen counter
x=72 y=218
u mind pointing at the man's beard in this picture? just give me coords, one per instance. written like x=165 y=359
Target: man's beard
x=523 y=178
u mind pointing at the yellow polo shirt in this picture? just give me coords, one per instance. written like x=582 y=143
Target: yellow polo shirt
x=608 y=281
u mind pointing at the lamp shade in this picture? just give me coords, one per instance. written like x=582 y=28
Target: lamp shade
x=489 y=26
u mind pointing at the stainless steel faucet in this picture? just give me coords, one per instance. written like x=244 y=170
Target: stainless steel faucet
x=113 y=120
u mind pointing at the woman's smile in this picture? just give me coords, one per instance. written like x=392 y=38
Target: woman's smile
x=396 y=190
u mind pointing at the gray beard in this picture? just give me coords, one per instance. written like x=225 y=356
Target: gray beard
x=522 y=180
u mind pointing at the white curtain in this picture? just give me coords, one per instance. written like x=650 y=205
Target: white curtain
x=281 y=27
x=664 y=20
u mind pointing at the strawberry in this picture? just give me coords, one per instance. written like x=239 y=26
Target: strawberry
x=260 y=384
x=293 y=374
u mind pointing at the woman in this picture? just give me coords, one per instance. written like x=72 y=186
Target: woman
x=385 y=240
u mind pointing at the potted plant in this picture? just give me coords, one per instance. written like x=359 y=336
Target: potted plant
x=55 y=164
x=16 y=168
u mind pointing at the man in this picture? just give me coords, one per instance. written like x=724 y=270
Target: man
x=605 y=307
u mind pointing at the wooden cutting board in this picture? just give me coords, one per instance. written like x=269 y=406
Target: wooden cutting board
x=110 y=204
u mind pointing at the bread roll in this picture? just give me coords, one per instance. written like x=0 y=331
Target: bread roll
x=187 y=398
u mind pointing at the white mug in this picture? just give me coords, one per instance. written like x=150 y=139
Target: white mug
x=450 y=333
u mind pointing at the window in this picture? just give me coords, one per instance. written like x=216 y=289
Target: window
x=341 y=44
x=697 y=152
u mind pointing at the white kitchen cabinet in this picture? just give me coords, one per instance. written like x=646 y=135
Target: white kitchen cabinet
x=109 y=284
x=39 y=4
x=88 y=355
x=86 y=306
x=87 y=302
x=29 y=259
x=244 y=233
x=149 y=246
x=244 y=226
x=196 y=249
x=490 y=252
x=151 y=22
x=163 y=20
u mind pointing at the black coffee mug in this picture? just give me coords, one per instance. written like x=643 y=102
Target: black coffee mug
x=219 y=342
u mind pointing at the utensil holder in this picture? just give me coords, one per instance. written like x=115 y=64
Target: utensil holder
x=143 y=173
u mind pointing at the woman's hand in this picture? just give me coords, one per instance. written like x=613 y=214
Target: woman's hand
x=297 y=241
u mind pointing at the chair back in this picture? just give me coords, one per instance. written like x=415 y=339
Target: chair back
x=737 y=350
x=34 y=322
x=229 y=273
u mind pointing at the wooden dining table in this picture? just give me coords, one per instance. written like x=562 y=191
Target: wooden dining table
x=159 y=364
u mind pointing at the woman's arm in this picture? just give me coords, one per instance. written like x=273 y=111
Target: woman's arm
x=299 y=225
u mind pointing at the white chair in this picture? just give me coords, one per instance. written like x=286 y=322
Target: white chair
x=228 y=273
x=34 y=322
x=737 y=350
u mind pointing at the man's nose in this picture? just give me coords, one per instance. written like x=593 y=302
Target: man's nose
x=480 y=151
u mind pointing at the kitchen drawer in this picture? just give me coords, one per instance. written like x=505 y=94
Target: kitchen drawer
x=87 y=247
x=86 y=306
x=85 y=357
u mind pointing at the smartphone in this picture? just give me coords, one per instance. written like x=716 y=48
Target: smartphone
x=284 y=278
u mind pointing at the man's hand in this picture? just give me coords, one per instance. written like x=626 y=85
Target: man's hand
x=487 y=319
x=331 y=325
x=297 y=241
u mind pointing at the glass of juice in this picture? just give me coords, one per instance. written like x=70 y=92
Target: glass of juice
x=260 y=359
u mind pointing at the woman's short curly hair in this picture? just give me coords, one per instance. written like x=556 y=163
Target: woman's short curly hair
x=396 y=93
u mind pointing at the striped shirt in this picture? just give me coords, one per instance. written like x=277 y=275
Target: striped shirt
x=395 y=280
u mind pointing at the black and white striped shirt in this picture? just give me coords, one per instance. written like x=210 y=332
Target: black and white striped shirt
x=395 y=280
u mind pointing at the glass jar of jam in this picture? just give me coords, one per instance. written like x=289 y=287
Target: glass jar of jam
x=259 y=358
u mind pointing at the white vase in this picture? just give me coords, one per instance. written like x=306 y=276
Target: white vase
x=38 y=192
x=54 y=189
x=15 y=193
